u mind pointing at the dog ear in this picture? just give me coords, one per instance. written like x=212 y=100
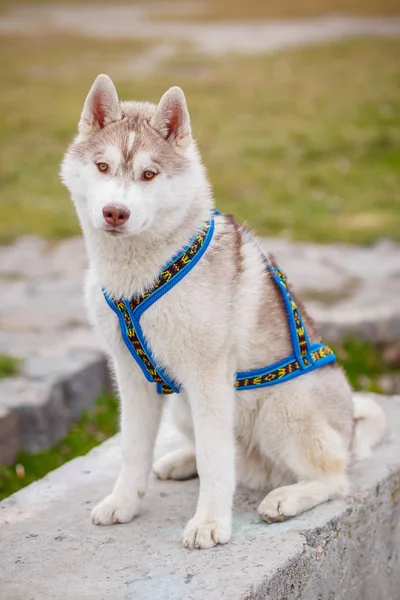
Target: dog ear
x=172 y=120
x=101 y=106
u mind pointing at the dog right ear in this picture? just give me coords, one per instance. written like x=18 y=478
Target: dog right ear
x=101 y=106
x=171 y=119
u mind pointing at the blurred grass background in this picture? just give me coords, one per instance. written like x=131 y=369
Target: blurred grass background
x=216 y=10
x=303 y=143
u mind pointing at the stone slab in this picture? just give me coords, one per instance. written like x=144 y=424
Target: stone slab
x=348 y=290
x=9 y=436
x=40 y=408
x=347 y=549
x=83 y=375
x=50 y=394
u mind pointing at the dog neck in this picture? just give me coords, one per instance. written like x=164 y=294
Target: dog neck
x=126 y=266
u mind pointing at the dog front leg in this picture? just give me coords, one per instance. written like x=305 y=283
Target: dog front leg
x=212 y=406
x=140 y=419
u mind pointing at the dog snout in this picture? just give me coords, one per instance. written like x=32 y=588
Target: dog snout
x=115 y=214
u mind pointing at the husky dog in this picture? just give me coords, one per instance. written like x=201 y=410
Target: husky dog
x=141 y=193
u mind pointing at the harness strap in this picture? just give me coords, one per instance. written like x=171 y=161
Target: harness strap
x=284 y=370
x=129 y=311
x=134 y=339
x=298 y=332
x=305 y=356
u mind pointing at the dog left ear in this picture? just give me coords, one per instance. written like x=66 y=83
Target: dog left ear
x=101 y=106
x=172 y=120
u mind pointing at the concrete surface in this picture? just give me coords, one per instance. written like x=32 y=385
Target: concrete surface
x=348 y=290
x=343 y=550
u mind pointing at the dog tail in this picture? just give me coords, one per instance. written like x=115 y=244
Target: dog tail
x=369 y=425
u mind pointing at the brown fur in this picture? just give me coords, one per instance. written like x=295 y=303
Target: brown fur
x=322 y=460
x=308 y=321
x=136 y=117
x=237 y=242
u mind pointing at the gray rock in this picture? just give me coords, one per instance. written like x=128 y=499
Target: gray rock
x=390 y=383
x=348 y=290
x=346 y=550
x=9 y=437
x=83 y=376
x=51 y=393
x=41 y=408
x=90 y=379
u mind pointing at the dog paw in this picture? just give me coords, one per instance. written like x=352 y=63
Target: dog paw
x=279 y=505
x=111 y=510
x=206 y=534
x=179 y=464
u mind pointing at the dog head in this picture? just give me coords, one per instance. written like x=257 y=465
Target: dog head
x=133 y=164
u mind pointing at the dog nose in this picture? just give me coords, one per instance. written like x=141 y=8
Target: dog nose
x=115 y=214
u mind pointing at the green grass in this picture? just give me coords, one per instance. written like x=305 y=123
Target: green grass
x=94 y=427
x=9 y=365
x=7 y=5
x=364 y=364
x=46 y=80
x=303 y=144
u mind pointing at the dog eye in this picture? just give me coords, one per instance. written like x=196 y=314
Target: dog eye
x=147 y=175
x=102 y=167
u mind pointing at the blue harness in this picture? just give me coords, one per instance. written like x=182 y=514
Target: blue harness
x=304 y=358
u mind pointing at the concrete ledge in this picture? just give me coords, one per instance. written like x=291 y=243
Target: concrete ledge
x=347 y=549
x=50 y=394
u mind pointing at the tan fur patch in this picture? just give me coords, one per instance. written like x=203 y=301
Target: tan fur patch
x=320 y=458
x=221 y=251
x=272 y=314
